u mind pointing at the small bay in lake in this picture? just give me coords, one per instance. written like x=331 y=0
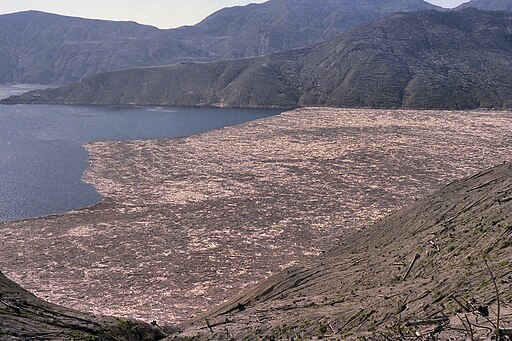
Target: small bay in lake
x=42 y=158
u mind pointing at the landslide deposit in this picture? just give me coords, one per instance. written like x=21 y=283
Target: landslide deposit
x=429 y=59
x=187 y=223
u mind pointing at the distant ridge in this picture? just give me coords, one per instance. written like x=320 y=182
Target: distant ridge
x=429 y=59
x=278 y=25
x=42 y=48
x=488 y=5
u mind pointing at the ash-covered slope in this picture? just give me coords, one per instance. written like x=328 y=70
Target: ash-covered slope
x=363 y=286
x=488 y=5
x=23 y=316
x=430 y=59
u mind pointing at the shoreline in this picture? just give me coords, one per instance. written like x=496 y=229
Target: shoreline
x=186 y=223
x=45 y=156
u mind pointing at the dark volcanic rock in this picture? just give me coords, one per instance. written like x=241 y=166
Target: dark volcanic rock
x=430 y=59
x=361 y=286
x=25 y=317
x=488 y=5
x=37 y=47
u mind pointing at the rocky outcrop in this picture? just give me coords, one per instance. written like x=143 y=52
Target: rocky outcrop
x=431 y=59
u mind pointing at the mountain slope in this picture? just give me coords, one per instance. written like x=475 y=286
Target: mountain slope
x=25 y=317
x=251 y=82
x=428 y=59
x=488 y=5
x=279 y=25
x=37 y=47
x=367 y=285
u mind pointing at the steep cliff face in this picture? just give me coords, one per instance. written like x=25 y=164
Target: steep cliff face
x=430 y=59
x=408 y=275
x=37 y=47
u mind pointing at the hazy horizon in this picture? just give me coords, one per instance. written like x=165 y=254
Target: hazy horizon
x=159 y=13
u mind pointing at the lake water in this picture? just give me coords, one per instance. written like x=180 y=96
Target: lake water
x=41 y=155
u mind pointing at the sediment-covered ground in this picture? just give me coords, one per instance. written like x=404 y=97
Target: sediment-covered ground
x=187 y=223
x=434 y=270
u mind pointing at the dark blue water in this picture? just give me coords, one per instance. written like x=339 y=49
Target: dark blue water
x=42 y=159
